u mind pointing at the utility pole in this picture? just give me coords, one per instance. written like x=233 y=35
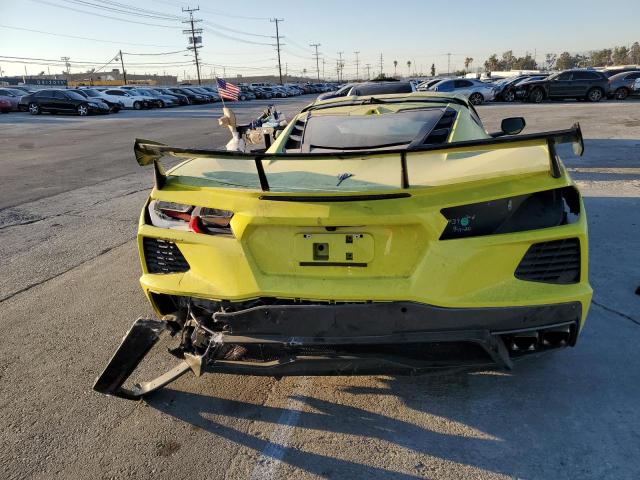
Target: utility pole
x=276 y=20
x=323 y=77
x=67 y=64
x=381 y=66
x=316 y=45
x=340 y=66
x=195 y=42
x=448 y=63
x=368 y=71
x=357 y=64
x=124 y=73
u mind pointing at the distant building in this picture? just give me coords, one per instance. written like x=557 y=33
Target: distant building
x=114 y=77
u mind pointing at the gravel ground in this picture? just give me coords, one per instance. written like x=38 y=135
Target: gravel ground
x=70 y=197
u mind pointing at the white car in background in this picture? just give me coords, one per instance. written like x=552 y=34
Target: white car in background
x=129 y=99
x=636 y=86
x=477 y=92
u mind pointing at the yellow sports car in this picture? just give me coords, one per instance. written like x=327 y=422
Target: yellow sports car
x=379 y=234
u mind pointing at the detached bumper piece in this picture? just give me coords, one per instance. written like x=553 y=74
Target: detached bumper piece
x=343 y=339
x=136 y=344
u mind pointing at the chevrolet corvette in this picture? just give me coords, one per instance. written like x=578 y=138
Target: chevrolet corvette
x=386 y=234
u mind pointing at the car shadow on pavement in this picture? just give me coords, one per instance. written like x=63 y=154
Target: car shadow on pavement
x=195 y=409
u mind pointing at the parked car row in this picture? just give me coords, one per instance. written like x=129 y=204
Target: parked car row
x=101 y=99
x=579 y=83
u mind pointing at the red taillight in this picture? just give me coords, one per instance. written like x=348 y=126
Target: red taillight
x=194 y=225
x=178 y=215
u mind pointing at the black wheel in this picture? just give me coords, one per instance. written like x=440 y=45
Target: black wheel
x=509 y=96
x=6 y=111
x=594 y=95
x=83 y=110
x=34 y=109
x=536 y=96
x=161 y=104
x=621 y=93
x=476 y=98
x=137 y=105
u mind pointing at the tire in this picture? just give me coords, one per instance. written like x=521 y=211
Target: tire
x=476 y=98
x=161 y=104
x=509 y=96
x=242 y=98
x=6 y=111
x=34 y=109
x=536 y=95
x=83 y=110
x=621 y=93
x=594 y=95
x=137 y=105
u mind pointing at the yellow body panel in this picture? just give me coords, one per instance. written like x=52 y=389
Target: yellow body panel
x=405 y=259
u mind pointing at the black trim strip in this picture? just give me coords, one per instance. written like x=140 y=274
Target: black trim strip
x=559 y=136
x=554 y=165
x=330 y=199
x=403 y=170
x=332 y=264
x=264 y=183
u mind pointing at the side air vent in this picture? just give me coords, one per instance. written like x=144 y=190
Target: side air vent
x=163 y=256
x=551 y=262
x=295 y=137
x=441 y=131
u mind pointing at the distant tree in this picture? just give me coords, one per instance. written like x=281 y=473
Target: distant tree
x=565 y=61
x=492 y=63
x=395 y=67
x=550 y=60
x=524 y=63
x=634 y=54
x=620 y=56
x=601 y=58
x=467 y=62
x=433 y=69
x=409 y=67
x=507 y=60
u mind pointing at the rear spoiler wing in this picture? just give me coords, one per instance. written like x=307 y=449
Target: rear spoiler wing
x=148 y=152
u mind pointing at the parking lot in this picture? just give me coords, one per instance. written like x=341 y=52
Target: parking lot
x=69 y=204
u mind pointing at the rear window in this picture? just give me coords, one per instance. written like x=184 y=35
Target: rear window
x=382 y=88
x=344 y=132
x=75 y=96
x=586 y=76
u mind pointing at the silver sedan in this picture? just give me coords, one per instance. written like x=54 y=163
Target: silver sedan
x=476 y=91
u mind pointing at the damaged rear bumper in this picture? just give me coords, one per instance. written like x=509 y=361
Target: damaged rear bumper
x=341 y=339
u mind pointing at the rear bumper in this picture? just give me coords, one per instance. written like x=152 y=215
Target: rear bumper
x=344 y=339
x=392 y=337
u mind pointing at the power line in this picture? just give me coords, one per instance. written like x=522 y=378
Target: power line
x=195 y=42
x=100 y=15
x=83 y=38
x=276 y=20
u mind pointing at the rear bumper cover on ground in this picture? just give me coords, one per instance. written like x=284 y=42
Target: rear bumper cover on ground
x=337 y=339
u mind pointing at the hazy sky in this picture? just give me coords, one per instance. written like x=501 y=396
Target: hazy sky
x=237 y=34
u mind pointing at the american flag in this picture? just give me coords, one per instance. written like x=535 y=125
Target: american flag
x=227 y=90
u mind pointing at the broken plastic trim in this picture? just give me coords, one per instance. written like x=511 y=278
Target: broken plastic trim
x=148 y=152
x=136 y=344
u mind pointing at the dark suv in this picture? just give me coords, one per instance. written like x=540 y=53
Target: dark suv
x=578 y=84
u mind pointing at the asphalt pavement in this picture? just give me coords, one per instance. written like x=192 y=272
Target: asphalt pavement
x=70 y=196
